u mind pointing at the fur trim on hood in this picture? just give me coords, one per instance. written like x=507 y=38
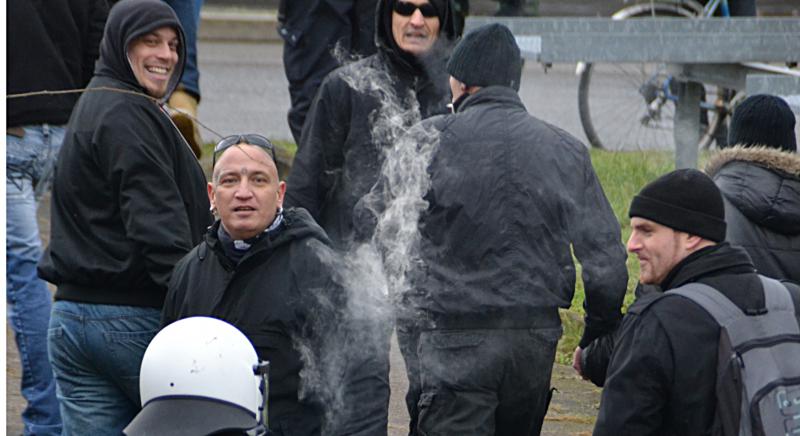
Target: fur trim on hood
x=770 y=158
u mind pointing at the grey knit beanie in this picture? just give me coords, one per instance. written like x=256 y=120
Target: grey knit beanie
x=763 y=120
x=487 y=56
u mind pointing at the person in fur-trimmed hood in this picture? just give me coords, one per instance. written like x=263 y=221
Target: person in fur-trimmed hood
x=759 y=177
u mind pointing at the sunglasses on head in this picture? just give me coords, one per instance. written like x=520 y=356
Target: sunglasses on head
x=251 y=139
x=407 y=9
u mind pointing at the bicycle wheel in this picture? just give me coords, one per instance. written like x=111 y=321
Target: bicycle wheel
x=632 y=106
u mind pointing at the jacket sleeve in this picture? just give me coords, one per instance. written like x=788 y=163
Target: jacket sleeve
x=597 y=244
x=637 y=385
x=596 y=355
x=319 y=159
x=139 y=165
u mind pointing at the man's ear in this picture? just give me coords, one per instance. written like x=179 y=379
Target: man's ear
x=210 y=188
x=693 y=243
x=281 y=193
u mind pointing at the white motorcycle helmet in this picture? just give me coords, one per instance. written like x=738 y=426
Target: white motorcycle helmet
x=200 y=376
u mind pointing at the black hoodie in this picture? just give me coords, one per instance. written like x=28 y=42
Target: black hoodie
x=341 y=151
x=129 y=197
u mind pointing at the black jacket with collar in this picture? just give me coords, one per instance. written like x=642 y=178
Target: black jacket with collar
x=129 y=197
x=348 y=126
x=510 y=198
x=662 y=375
x=284 y=295
x=761 y=189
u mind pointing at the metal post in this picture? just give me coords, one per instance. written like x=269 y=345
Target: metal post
x=687 y=124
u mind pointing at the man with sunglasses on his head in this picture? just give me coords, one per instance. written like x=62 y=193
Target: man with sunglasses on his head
x=128 y=203
x=270 y=272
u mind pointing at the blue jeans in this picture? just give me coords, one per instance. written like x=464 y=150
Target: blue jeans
x=96 y=351
x=29 y=163
x=188 y=12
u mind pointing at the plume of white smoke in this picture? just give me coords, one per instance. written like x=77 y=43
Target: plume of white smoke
x=374 y=273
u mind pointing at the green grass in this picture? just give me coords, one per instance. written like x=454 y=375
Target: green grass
x=622 y=175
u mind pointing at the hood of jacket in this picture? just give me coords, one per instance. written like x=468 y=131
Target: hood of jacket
x=127 y=21
x=297 y=224
x=763 y=183
x=433 y=60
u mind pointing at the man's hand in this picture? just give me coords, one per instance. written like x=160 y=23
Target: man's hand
x=576 y=362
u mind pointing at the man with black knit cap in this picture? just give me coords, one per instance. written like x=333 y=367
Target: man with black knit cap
x=510 y=197
x=128 y=203
x=759 y=176
x=662 y=376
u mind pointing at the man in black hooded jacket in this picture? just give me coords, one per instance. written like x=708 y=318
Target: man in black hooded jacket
x=349 y=124
x=510 y=198
x=360 y=110
x=663 y=371
x=128 y=202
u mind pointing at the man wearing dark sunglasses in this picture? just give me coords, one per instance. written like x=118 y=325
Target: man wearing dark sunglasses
x=359 y=111
x=270 y=272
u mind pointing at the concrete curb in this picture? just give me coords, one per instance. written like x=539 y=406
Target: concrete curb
x=249 y=25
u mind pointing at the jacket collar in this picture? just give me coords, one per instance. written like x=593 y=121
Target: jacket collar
x=491 y=94
x=707 y=261
x=769 y=158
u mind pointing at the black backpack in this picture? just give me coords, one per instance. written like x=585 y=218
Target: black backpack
x=758 y=369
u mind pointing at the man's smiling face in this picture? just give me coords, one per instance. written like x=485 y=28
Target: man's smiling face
x=153 y=57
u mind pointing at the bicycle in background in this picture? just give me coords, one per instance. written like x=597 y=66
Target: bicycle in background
x=626 y=106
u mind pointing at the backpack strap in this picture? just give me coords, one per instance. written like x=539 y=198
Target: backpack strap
x=777 y=295
x=779 y=318
x=720 y=307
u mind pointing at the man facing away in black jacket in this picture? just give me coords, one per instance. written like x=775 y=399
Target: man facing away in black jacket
x=510 y=198
x=663 y=371
x=128 y=203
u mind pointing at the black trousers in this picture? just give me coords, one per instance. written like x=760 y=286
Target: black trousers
x=312 y=31
x=479 y=382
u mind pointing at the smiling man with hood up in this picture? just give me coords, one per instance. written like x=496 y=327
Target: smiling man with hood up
x=128 y=202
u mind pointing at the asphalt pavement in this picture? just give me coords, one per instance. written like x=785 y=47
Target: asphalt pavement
x=244 y=89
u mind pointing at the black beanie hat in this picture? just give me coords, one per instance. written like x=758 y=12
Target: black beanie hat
x=487 y=56
x=763 y=120
x=686 y=200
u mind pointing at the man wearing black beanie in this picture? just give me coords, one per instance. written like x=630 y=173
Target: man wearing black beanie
x=759 y=177
x=510 y=197
x=662 y=378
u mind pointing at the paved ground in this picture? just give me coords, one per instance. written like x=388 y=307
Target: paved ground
x=245 y=90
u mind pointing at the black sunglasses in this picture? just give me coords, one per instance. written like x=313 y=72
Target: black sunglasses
x=407 y=9
x=252 y=139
